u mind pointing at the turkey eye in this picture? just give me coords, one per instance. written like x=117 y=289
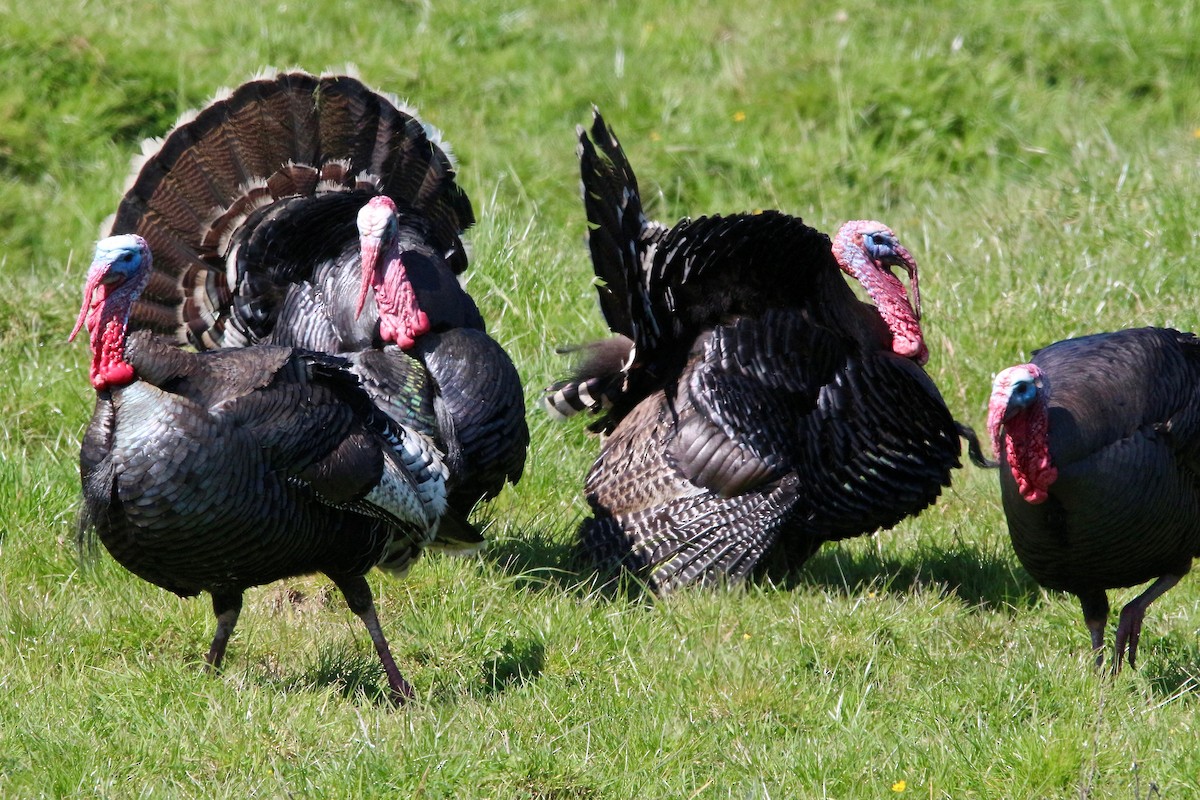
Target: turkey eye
x=877 y=241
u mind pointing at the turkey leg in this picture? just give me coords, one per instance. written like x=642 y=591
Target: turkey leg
x=358 y=596
x=1129 y=629
x=227 y=608
x=1095 y=617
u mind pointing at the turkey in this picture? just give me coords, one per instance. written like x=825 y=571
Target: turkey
x=750 y=403
x=478 y=403
x=313 y=212
x=1099 y=439
x=217 y=471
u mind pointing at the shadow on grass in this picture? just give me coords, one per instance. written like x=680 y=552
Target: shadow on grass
x=1171 y=664
x=514 y=663
x=550 y=560
x=541 y=559
x=354 y=675
x=359 y=677
x=978 y=577
x=547 y=559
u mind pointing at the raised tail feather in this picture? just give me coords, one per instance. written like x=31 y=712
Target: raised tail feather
x=199 y=195
x=620 y=235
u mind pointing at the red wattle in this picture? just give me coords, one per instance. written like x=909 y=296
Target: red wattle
x=891 y=301
x=886 y=291
x=1029 y=453
x=109 y=367
x=401 y=319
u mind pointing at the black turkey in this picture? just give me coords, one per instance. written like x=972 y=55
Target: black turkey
x=1099 y=439
x=313 y=212
x=217 y=471
x=751 y=403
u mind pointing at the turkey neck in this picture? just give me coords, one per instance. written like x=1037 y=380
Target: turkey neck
x=886 y=291
x=109 y=366
x=1028 y=451
x=833 y=304
x=401 y=319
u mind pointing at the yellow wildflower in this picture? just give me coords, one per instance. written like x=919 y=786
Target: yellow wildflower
x=739 y=116
x=899 y=786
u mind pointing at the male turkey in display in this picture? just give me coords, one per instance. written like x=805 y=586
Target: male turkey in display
x=313 y=212
x=218 y=471
x=752 y=403
x=1099 y=443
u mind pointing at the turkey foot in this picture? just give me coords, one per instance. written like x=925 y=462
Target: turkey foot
x=401 y=690
x=358 y=596
x=1129 y=630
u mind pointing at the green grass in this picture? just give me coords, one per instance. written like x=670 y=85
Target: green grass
x=1039 y=158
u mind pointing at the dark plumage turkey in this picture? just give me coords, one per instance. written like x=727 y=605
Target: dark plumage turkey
x=314 y=212
x=1099 y=443
x=751 y=404
x=217 y=471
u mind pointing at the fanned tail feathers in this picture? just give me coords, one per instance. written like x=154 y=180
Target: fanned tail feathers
x=197 y=195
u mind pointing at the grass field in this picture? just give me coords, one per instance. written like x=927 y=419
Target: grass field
x=1039 y=158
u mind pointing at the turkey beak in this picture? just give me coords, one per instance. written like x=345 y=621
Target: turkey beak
x=100 y=281
x=998 y=414
x=1006 y=403
x=369 y=253
x=996 y=422
x=910 y=266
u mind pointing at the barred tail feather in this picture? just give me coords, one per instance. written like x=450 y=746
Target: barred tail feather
x=701 y=539
x=596 y=383
x=568 y=398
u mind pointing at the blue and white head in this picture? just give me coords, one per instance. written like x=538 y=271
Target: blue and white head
x=119 y=272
